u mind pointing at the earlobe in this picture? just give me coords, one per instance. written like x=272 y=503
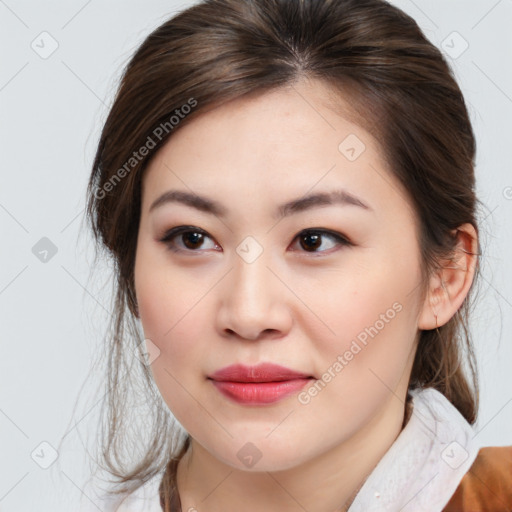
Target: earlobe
x=450 y=285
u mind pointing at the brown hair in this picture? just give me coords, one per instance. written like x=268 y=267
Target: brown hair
x=401 y=90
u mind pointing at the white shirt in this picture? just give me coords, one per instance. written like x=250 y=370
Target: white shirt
x=419 y=473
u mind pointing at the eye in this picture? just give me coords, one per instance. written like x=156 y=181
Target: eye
x=312 y=239
x=190 y=239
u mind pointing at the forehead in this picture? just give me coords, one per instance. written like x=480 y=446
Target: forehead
x=277 y=144
x=307 y=111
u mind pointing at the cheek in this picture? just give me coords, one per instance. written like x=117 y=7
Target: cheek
x=170 y=321
x=371 y=313
x=170 y=309
x=350 y=302
x=363 y=367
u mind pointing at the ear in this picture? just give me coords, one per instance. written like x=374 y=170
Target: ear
x=449 y=286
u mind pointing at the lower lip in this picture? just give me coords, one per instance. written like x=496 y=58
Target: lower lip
x=259 y=392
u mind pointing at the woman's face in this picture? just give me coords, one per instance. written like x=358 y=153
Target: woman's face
x=247 y=284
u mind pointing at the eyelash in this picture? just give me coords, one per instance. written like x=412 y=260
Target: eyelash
x=168 y=237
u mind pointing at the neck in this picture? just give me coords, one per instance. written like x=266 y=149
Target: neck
x=327 y=483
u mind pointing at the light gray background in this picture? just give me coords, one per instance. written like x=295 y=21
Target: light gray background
x=53 y=315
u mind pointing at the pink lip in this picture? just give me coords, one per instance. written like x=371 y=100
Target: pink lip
x=262 y=384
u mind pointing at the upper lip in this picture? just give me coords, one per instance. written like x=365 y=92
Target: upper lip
x=263 y=372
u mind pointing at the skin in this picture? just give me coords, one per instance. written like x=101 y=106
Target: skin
x=301 y=307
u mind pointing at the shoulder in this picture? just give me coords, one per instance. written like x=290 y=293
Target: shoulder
x=487 y=486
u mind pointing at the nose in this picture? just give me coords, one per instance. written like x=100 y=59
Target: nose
x=254 y=302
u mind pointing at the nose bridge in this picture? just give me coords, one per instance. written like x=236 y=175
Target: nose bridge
x=251 y=278
x=252 y=302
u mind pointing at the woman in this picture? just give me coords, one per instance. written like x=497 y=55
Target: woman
x=287 y=191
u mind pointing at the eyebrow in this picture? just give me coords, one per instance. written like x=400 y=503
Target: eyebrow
x=207 y=205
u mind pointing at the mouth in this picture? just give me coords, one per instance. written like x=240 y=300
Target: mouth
x=263 y=384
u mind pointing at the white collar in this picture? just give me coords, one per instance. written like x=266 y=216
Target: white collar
x=423 y=467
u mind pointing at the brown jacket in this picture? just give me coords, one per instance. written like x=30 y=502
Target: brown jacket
x=487 y=486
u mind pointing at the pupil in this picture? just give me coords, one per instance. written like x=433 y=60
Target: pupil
x=195 y=237
x=315 y=239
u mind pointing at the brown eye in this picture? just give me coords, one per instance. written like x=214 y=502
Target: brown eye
x=186 y=239
x=189 y=239
x=192 y=239
x=312 y=240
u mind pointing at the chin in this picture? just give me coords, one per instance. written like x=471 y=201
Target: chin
x=262 y=455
